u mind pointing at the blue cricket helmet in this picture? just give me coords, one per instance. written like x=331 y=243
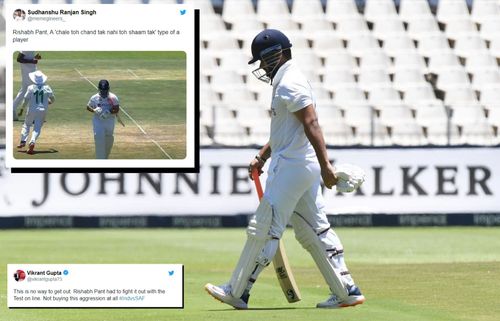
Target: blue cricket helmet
x=267 y=40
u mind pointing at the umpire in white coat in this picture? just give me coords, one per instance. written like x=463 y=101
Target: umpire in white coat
x=38 y=96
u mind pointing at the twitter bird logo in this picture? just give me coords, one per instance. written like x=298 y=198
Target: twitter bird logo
x=183 y=12
x=170 y=273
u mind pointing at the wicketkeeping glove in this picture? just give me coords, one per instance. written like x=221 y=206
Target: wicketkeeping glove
x=350 y=177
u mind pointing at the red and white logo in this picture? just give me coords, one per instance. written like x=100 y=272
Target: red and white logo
x=20 y=275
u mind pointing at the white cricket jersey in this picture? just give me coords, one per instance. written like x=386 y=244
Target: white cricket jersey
x=26 y=68
x=38 y=97
x=291 y=92
x=105 y=103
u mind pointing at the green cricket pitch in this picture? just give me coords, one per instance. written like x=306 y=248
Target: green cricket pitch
x=151 y=87
x=406 y=274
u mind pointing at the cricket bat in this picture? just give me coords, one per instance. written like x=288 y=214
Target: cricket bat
x=118 y=118
x=280 y=261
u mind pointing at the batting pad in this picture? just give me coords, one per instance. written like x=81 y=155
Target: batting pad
x=110 y=139
x=317 y=247
x=100 y=146
x=258 y=251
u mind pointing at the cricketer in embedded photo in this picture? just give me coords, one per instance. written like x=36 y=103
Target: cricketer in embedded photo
x=99 y=105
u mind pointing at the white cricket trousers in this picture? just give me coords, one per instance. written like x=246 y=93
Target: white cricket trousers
x=20 y=95
x=34 y=117
x=294 y=186
x=103 y=136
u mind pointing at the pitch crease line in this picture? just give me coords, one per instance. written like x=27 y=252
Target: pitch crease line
x=133 y=73
x=130 y=117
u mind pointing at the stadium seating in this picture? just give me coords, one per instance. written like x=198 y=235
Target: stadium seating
x=410 y=71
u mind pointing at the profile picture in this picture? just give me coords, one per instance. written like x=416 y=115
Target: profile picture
x=19 y=14
x=20 y=275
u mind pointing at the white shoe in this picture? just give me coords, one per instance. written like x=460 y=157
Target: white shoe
x=333 y=302
x=223 y=294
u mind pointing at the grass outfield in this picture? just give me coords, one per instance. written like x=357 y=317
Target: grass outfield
x=420 y=274
x=151 y=87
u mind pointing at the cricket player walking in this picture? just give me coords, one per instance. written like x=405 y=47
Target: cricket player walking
x=28 y=61
x=298 y=162
x=38 y=96
x=105 y=106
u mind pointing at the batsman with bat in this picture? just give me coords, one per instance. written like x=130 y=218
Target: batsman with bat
x=293 y=194
x=105 y=106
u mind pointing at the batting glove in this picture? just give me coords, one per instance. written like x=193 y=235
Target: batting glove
x=350 y=177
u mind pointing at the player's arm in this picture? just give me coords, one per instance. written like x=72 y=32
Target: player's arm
x=115 y=104
x=22 y=59
x=52 y=97
x=259 y=160
x=307 y=116
x=27 y=97
x=115 y=109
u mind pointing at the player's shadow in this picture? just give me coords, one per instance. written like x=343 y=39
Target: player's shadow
x=48 y=151
x=265 y=309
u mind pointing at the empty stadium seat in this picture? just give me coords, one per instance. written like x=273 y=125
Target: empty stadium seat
x=244 y=28
x=408 y=134
x=236 y=61
x=373 y=78
x=338 y=133
x=486 y=78
x=460 y=95
x=382 y=97
x=452 y=78
x=306 y=9
x=410 y=10
x=378 y=136
x=357 y=45
x=376 y=10
x=389 y=27
x=375 y=60
x=349 y=95
x=269 y=8
x=432 y=45
x=465 y=115
x=341 y=9
x=405 y=78
x=234 y=10
x=490 y=27
x=408 y=72
x=480 y=61
x=395 y=115
x=461 y=27
x=431 y=115
x=441 y=134
x=484 y=10
x=347 y=28
x=327 y=44
x=480 y=133
x=423 y=28
x=443 y=61
x=399 y=46
x=417 y=95
x=469 y=45
x=451 y=9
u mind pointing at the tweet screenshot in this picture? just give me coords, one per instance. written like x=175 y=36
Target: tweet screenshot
x=101 y=87
x=95 y=285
